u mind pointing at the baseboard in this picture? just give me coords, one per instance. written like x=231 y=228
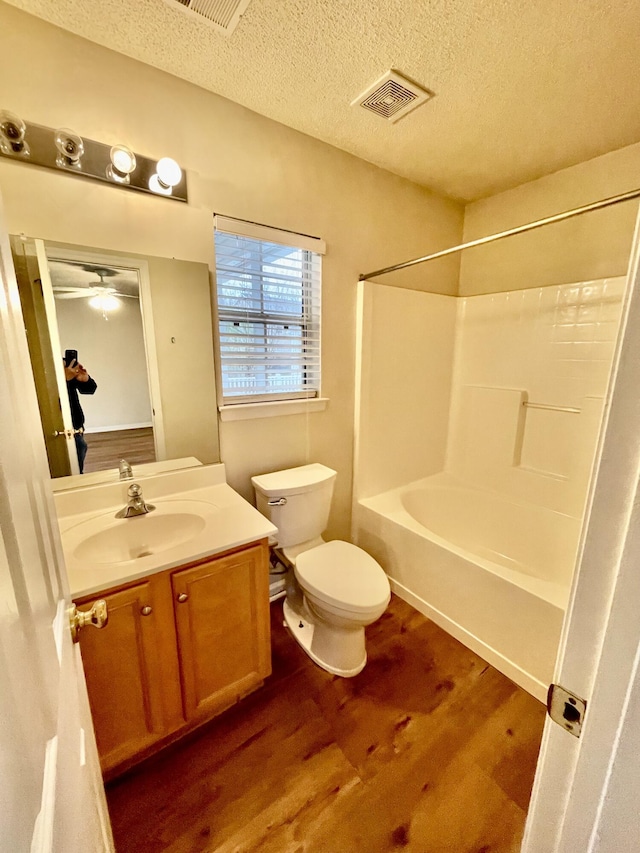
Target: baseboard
x=116 y=427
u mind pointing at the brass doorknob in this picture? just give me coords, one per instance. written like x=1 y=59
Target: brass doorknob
x=98 y=616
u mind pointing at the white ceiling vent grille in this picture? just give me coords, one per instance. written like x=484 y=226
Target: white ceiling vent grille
x=392 y=96
x=223 y=15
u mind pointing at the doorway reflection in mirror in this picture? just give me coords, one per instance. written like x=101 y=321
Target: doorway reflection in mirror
x=97 y=308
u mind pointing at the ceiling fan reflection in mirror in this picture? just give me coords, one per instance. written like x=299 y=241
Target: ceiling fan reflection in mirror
x=79 y=283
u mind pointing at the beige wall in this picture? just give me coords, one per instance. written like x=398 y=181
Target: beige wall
x=180 y=301
x=593 y=246
x=113 y=353
x=239 y=164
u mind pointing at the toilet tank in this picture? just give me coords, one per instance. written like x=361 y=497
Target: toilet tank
x=297 y=501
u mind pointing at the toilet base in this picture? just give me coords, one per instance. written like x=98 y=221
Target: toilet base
x=340 y=651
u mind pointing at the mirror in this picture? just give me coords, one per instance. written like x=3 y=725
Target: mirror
x=99 y=319
x=142 y=328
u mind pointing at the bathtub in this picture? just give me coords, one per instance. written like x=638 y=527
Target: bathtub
x=493 y=572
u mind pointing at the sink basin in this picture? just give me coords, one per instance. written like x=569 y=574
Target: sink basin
x=107 y=540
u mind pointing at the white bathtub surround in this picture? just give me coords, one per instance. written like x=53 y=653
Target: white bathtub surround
x=406 y=368
x=549 y=347
x=484 y=540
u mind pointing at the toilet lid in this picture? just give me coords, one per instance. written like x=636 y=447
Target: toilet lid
x=343 y=575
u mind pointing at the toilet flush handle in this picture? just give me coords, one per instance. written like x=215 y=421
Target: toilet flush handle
x=277 y=502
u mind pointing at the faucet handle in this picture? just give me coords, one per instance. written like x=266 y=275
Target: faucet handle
x=134 y=490
x=125 y=470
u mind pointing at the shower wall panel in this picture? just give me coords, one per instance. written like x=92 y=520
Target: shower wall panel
x=530 y=378
x=405 y=385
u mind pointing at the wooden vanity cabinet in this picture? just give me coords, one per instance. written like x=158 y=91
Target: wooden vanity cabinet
x=180 y=647
x=223 y=630
x=131 y=670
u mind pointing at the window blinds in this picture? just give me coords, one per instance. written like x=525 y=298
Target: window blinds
x=268 y=315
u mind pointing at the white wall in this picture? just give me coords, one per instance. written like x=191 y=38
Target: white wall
x=239 y=164
x=405 y=387
x=112 y=351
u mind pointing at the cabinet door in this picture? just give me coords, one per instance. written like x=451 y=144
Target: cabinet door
x=123 y=671
x=222 y=620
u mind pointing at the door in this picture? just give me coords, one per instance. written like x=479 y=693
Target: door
x=587 y=791
x=50 y=785
x=38 y=310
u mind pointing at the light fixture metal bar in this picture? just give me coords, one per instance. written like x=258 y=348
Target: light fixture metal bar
x=93 y=163
x=520 y=229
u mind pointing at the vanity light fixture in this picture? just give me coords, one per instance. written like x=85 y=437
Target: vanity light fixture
x=66 y=151
x=70 y=148
x=12 y=133
x=123 y=163
x=168 y=174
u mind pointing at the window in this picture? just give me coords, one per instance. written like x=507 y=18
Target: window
x=268 y=295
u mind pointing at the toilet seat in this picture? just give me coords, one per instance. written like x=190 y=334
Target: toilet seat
x=344 y=576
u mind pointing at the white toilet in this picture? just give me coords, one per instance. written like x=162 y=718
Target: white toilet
x=340 y=589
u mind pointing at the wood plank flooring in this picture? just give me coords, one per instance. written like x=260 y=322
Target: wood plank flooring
x=428 y=750
x=106 y=449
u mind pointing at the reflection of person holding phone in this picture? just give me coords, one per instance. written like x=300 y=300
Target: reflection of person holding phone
x=78 y=382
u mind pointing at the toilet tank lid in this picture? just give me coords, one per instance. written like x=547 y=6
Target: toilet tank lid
x=293 y=480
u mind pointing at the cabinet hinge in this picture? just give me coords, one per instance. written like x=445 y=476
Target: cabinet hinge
x=566 y=709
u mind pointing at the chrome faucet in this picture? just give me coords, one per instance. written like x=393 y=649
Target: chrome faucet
x=136 y=505
x=125 y=470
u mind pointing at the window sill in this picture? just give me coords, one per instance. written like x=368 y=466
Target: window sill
x=247 y=411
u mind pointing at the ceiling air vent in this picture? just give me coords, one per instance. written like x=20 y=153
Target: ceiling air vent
x=392 y=96
x=223 y=15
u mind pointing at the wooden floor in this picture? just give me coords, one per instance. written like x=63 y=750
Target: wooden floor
x=106 y=449
x=428 y=750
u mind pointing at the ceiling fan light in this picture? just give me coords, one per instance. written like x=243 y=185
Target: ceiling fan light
x=105 y=302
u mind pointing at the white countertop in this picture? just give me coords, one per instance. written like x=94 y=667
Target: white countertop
x=229 y=522
x=112 y=475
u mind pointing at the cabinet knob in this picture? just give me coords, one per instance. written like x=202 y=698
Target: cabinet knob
x=146 y=610
x=182 y=597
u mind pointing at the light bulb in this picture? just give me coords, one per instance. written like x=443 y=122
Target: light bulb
x=12 y=133
x=168 y=171
x=105 y=302
x=123 y=162
x=70 y=148
x=156 y=186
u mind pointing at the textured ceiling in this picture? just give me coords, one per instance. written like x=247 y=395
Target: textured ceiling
x=522 y=88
